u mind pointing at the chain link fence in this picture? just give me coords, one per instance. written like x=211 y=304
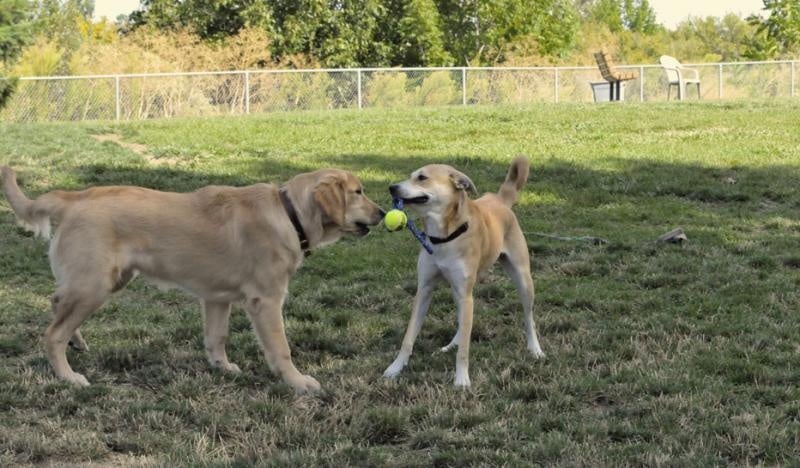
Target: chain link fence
x=166 y=95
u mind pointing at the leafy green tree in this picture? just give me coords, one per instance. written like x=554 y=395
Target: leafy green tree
x=607 y=12
x=210 y=19
x=418 y=38
x=16 y=30
x=713 y=39
x=778 y=34
x=59 y=20
x=639 y=16
x=557 y=28
x=620 y=15
x=337 y=33
x=481 y=31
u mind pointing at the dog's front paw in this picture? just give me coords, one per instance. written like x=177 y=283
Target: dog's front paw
x=537 y=353
x=395 y=368
x=232 y=368
x=462 y=380
x=229 y=367
x=306 y=384
x=225 y=366
x=76 y=379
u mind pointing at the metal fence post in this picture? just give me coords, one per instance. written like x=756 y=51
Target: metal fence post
x=247 y=92
x=719 y=82
x=116 y=97
x=555 y=83
x=792 y=87
x=358 y=80
x=464 y=86
x=641 y=84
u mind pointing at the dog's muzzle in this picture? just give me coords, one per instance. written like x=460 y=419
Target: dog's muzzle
x=362 y=229
x=395 y=191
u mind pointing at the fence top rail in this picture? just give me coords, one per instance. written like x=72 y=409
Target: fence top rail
x=380 y=69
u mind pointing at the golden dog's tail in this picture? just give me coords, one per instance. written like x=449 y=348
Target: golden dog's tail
x=34 y=215
x=515 y=180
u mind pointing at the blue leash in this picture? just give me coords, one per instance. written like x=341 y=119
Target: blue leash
x=421 y=237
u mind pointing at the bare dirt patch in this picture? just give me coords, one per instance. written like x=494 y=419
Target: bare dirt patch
x=115 y=138
x=137 y=148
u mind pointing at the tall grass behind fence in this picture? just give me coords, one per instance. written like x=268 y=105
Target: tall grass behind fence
x=164 y=95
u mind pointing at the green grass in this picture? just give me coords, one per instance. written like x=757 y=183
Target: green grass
x=657 y=354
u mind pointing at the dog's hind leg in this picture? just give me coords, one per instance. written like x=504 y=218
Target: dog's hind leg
x=453 y=343
x=216 y=315
x=71 y=306
x=85 y=274
x=516 y=263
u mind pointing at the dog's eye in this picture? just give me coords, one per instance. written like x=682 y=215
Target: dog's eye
x=422 y=177
x=359 y=191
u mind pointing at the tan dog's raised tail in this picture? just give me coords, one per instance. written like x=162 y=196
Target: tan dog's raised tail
x=469 y=236
x=221 y=244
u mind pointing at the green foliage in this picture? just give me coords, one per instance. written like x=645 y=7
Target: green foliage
x=607 y=12
x=337 y=37
x=387 y=90
x=304 y=92
x=714 y=39
x=621 y=15
x=419 y=38
x=481 y=32
x=7 y=87
x=558 y=25
x=639 y=16
x=16 y=30
x=437 y=89
x=210 y=19
x=60 y=21
x=779 y=33
x=412 y=33
x=43 y=58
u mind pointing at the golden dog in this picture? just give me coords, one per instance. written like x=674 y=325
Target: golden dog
x=469 y=236
x=221 y=244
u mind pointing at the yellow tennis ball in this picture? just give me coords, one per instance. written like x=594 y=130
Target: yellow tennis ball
x=395 y=219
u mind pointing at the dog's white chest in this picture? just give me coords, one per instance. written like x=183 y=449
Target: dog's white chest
x=452 y=267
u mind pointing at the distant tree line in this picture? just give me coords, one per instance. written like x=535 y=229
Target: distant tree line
x=342 y=33
x=46 y=37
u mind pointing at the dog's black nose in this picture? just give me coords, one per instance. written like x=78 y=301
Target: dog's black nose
x=393 y=189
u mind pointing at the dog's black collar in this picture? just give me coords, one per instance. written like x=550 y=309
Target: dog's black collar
x=461 y=230
x=290 y=211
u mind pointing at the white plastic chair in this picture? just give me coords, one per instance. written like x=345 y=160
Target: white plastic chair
x=680 y=76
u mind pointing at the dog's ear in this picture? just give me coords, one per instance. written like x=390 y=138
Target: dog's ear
x=462 y=182
x=329 y=194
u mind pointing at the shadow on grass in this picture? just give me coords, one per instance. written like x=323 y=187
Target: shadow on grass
x=693 y=182
x=770 y=187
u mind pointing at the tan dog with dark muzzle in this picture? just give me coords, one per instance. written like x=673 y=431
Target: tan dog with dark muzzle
x=469 y=236
x=221 y=244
